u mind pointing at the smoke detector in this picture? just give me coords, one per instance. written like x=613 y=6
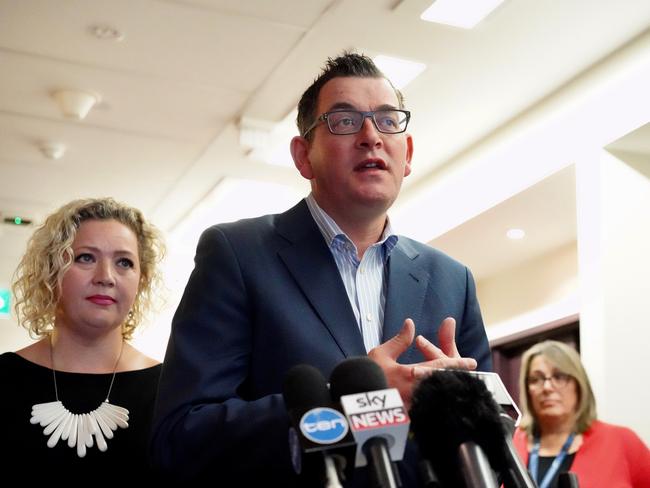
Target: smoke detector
x=52 y=150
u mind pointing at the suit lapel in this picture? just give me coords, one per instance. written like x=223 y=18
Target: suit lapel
x=311 y=264
x=407 y=284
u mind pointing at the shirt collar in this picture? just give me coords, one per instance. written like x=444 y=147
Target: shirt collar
x=330 y=229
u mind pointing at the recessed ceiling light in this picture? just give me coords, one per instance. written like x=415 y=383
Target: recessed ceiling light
x=106 y=32
x=459 y=13
x=399 y=71
x=516 y=234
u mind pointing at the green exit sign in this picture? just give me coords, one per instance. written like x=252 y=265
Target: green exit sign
x=5 y=302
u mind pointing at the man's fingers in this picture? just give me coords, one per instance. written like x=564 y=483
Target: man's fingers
x=396 y=346
x=447 y=337
x=422 y=370
x=428 y=349
x=453 y=363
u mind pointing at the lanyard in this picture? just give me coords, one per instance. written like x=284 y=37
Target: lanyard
x=557 y=462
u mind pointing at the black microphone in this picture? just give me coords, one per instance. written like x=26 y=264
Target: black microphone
x=457 y=427
x=514 y=473
x=376 y=415
x=567 y=480
x=322 y=448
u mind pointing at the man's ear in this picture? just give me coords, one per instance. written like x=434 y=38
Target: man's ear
x=409 y=154
x=300 y=154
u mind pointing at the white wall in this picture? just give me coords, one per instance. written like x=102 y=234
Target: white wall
x=12 y=336
x=535 y=284
x=614 y=263
x=572 y=127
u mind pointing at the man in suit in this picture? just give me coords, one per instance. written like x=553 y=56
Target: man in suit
x=324 y=281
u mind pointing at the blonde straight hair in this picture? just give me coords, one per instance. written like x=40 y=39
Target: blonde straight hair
x=566 y=360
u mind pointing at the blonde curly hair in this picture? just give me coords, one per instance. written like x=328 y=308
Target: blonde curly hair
x=49 y=254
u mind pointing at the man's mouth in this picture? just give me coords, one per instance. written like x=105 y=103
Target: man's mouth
x=370 y=164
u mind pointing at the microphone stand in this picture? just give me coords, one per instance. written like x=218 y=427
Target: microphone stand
x=379 y=464
x=331 y=472
x=475 y=467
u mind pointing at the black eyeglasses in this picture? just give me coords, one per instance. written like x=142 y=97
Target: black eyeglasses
x=558 y=380
x=343 y=122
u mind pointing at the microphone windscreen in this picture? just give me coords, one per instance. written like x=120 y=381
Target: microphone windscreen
x=356 y=375
x=320 y=443
x=305 y=387
x=568 y=480
x=452 y=407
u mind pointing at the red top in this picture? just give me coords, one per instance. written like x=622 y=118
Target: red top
x=610 y=457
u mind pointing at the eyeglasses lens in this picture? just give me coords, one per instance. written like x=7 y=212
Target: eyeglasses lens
x=350 y=122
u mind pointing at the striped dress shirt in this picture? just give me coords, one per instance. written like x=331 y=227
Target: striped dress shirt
x=365 y=279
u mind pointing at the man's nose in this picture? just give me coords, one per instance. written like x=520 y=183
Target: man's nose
x=369 y=136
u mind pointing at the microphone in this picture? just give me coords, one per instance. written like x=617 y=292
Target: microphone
x=495 y=386
x=514 y=474
x=376 y=415
x=568 y=480
x=321 y=446
x=458 y=429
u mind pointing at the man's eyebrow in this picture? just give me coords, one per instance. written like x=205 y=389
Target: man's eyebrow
x=342 y=106
x=387 y=106
x=349 y=106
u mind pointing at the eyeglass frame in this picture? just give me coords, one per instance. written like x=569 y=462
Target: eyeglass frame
x=540 y=381
x=371 y=113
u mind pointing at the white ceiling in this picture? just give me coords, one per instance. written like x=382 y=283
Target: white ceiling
x=546 y=212
x=174 y=89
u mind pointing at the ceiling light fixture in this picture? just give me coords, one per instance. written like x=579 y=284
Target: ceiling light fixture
x=254 y=133
x=52 y=150
x=268 y=141
x=465 y=14
x=399 y=71
x=76 y=104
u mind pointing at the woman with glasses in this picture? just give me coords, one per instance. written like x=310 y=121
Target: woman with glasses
x=559 y=431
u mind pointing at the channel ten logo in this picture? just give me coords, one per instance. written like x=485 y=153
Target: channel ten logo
x=377 y=413
x=323 y=425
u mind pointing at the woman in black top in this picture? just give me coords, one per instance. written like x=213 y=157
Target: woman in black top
x=77 y=404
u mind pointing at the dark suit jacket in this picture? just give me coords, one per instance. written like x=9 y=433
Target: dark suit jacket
x=264 y=296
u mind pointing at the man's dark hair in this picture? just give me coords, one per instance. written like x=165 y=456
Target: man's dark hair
x=348 y=64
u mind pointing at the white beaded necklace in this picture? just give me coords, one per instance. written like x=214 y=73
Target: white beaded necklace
x=79 y=429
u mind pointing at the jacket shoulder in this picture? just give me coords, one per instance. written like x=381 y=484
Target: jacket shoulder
x=419 y=250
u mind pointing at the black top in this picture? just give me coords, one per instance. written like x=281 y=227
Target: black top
x=545 y=463
x=23 y=447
